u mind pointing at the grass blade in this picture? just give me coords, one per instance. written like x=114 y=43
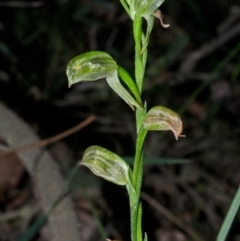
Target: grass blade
x=229 y=217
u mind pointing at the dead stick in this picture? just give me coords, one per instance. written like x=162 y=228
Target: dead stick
x=171 y=217
x=52 y=139
x=18 y=4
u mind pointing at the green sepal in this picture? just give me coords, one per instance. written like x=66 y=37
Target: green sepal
x=146 y=7
x=143 y=7
x=106 y=164
x=160 y=118
x=126 y=4
x=145 y=39
x=145 y=237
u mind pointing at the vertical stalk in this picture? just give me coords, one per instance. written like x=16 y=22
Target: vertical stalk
x=137 y=32
x=135 y=204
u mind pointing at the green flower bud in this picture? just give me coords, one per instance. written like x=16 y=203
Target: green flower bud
x=160 y=118
x=146 y=8
x=106 y=164
x=96 y=65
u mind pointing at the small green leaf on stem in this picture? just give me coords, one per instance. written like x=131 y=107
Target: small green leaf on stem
x=106 y=164
x=114 y=83
x=160 y=118
x=127 y=79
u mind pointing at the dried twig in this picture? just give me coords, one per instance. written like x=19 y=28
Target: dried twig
x=191 y=60
x=51 y=139
x=234 y=15
x=171 y=217
x=17 y=4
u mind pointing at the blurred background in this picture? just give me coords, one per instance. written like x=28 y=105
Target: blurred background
x=193 y=68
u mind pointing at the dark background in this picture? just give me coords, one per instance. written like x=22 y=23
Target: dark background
x=193 y=68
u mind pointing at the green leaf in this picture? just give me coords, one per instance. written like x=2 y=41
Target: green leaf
x=160 y=118
x=125 y=76
x=106 y=164
x=114 y=83
x=96 y=65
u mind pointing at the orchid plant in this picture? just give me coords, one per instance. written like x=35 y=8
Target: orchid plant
x=96 y=65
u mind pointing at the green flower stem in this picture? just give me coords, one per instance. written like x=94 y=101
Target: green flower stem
x=135 y=204
x=138 y=165
x=140 y=63
x=139 y=222
x=139 y=70
x=133 y=211
x=137 y=31
x=144 y=59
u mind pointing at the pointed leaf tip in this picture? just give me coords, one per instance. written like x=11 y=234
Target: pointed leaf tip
x=160 y=118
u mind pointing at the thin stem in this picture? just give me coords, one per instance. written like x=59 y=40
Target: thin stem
x=133 y=210
x=139 y=222
x=137 y=31
x=138 y=165
x=135 y=204
x=140 y=64
x=125 y=7
x=139 y=69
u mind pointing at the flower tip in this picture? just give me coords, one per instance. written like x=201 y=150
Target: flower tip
x=158 y=14
x=165 y=25
x=176 y=136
